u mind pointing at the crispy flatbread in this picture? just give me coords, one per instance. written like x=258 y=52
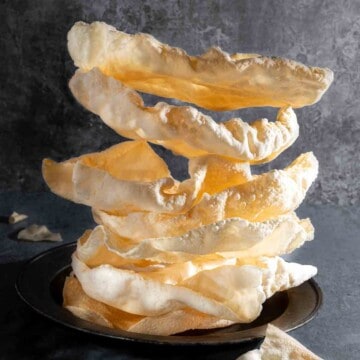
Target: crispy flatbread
x=126 y=177
x=229 y=238
x=238 y=299
x=265 y=197
x=82 y=306
x=184 y=130
x=214 y=80
x=279 y=346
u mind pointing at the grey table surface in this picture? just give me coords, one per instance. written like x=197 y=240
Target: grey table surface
x=333 y=334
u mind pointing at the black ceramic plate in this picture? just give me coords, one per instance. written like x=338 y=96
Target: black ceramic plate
x=41 y=281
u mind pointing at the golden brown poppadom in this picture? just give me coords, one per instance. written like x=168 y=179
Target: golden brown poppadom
x=265 y=197
x=156 y=264
x=98 y=181
x=182 y=129
x=126 y=177
x=238 y=299
x=233 y=237
x=81 y=305
x=215 y=80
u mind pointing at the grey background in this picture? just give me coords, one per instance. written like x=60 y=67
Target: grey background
x=39 y=118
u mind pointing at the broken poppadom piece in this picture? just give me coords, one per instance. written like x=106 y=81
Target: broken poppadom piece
x=279 y=346
x=214 y=80
x=36 y=232
x=184 y=130
x=15 y=217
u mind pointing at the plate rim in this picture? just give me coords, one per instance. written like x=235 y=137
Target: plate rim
x=172 y=340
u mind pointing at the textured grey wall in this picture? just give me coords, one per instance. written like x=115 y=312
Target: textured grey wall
x=39 y=117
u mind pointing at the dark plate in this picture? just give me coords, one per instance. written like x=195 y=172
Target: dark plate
x=41 y=281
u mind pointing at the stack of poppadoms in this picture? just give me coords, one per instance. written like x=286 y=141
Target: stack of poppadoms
x=168 y=256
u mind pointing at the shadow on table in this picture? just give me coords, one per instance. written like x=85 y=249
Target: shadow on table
x=4 y=219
